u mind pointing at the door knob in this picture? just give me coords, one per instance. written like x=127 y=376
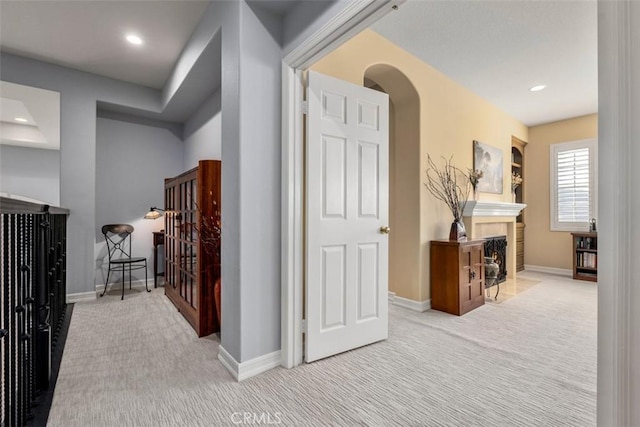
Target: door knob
x=385 y=229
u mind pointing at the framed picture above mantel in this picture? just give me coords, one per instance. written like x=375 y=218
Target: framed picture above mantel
x=488 y=159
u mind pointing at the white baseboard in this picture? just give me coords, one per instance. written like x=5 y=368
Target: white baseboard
x=228 y=361
x=419 y=306
x=549 y=270
x=81 y=297
x=250 y=368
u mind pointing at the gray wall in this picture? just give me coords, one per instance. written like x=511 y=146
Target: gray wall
x=217 y=14
x=250 y=134
x=79 y=93
x=132 y=161
x=203 y=133
x=30 y=172
x=260 y=154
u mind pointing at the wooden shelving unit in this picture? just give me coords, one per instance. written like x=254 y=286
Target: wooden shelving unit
x=517 y=166
x=190 y=274
x=585 y=256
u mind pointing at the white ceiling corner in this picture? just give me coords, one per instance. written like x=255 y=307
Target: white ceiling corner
x=90 y=35
x=499 y=49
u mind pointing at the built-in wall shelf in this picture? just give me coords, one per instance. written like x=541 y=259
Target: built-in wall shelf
x=517 y=166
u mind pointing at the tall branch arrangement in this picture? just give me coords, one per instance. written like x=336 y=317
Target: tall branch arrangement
x=210 y=231
x=449 y=184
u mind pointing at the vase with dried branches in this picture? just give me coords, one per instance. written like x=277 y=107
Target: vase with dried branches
x=452 y=186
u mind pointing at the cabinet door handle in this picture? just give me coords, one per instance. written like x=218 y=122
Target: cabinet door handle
x=472 y=275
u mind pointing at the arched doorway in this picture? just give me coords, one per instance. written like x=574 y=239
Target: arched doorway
x=404 y=179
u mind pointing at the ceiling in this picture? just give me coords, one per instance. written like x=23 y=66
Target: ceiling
x=280 y=7
x=89 y=35
x=500 y=49
x=497 y=49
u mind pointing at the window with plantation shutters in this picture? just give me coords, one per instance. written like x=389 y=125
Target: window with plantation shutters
x=573 y=185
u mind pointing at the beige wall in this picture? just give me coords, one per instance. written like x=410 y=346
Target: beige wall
x=451 y=117
x=543 y=247
x=404 y=166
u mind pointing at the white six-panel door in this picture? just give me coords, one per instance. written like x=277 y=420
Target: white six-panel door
x=346 y=213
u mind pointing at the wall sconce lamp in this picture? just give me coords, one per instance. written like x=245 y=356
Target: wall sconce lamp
x=154 y=213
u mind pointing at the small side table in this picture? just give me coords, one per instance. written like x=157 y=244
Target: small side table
x=158 y=239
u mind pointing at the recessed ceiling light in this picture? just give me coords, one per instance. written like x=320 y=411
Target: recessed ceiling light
x=537 y=88
x=21 y=120
x=133 y=39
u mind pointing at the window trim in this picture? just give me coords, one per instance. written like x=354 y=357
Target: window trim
x=554 y=149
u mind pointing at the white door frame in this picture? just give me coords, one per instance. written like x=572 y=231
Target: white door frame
x=354 y=18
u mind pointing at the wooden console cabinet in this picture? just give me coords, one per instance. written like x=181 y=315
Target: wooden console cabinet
x=189 y=274
x=457 y=275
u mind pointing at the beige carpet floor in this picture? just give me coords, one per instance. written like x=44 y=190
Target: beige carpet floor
x=529 y=361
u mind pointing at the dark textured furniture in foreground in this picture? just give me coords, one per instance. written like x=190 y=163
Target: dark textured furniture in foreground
x=32 y=302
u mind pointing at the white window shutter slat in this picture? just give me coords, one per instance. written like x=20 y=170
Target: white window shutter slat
x=573 y=186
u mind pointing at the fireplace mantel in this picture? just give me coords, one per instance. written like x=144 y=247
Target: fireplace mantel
x=476 y=214
x=474 y=208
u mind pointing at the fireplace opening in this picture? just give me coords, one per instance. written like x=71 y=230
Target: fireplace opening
x=495 y=247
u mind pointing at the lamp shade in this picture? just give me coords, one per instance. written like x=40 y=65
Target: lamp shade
x=154 y=213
